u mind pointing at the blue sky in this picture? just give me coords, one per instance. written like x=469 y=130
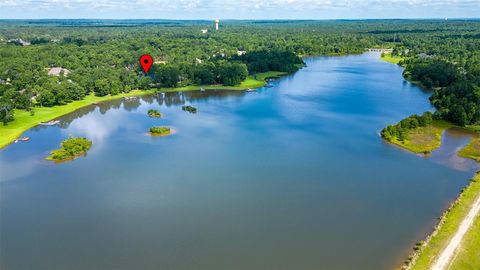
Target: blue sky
x=239 y=9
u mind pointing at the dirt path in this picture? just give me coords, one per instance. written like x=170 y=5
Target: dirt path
x=447 y=254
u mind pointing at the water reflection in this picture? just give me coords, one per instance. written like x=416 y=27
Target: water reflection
x=181 y=98
x=95 y=128
x=86 y=123
x=131 y=104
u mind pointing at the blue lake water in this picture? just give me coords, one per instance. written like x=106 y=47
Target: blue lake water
x=294 y=176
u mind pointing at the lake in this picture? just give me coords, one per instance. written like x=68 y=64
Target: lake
x=292 y=176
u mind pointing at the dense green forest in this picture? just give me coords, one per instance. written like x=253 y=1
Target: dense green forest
x=101 y=57
x=450 y=66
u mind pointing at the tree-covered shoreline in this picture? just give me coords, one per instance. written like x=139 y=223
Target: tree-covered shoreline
x=101 y=56
x=25 y=120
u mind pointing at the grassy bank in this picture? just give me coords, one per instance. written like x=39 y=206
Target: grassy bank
x=392 y=59
x=471 y=150
x=269 y=75
x=23 y=120
x=423 y=140
x=467 y=257
x=252 y=81
x=474 y=128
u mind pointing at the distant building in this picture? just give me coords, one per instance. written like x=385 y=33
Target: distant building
x=19 y=41
x=217 y=21
x=381 y=50
x=425 y=55
x=204 y=31
x=198 y=61
x=240 y=53
x=56 y=71
x=219 y=55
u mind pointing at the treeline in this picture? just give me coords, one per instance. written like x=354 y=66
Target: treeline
x=276 y=60
x=400 y=130
x=456 y=89
x=458 y=102
x=448 y=62
x=432 y=72
x=223 y=72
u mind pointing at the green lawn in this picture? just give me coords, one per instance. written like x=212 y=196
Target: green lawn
x=468 y=256
x=392 y=59
x=24 y=121
x=424 y=140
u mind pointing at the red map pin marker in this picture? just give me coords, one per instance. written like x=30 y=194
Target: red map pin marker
x=146 y=62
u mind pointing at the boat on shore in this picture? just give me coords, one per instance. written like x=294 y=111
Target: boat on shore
x=50 y=123
x=22 y=139
x=250 y=90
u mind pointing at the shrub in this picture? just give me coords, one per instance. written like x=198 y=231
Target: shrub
x=70 y=149
x=160 y=130
x=189 y=109
x=154 y=113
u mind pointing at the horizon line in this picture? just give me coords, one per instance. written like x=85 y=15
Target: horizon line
x=251 y=19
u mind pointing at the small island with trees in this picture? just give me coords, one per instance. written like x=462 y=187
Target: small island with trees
x=154 y=113
x=160 y=131
x=70 y=149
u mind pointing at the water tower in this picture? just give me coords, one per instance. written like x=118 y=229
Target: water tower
x=216 y=24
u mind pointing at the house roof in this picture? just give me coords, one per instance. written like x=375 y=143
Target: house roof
x=56 y=71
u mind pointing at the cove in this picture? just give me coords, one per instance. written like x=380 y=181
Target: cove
x=292 y=176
